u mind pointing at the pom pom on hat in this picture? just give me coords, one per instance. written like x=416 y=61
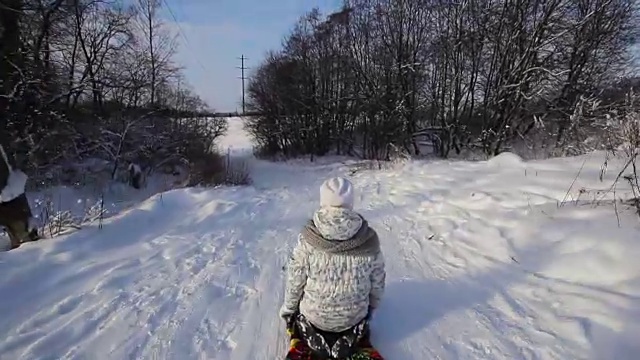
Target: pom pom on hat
x=337 y=192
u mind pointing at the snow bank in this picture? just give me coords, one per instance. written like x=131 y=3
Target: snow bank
x=483 y=262
x=506 y=160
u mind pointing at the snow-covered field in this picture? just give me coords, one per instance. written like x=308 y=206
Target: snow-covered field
x=482 y=263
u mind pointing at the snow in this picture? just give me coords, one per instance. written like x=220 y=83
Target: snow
x=237 y=141
x=506 y=160
x=483 y=262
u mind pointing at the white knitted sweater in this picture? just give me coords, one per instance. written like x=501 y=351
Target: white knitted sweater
x=333 y=291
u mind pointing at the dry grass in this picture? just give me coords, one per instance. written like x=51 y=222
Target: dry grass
x=213 y=169
x=56 y=222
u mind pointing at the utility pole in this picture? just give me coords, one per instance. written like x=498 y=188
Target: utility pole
x=242 y=78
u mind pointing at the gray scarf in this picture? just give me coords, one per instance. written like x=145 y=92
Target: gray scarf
x=364 y=242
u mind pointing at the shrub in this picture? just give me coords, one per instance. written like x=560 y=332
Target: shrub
x=212 y=169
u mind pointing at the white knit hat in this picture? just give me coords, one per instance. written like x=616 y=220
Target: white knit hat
x=337 y=192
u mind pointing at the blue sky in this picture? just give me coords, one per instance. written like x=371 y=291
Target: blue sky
x=219 y=31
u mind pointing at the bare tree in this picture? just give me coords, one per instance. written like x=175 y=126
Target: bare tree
x=159 y=45
x=96 y=80
x=470 y=74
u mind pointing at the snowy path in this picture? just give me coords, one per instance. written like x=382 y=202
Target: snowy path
x=481 y=265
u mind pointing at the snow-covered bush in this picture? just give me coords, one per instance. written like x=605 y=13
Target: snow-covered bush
x=126 y=148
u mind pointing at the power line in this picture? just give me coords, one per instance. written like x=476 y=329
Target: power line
x=181 y=32
x=242 y=78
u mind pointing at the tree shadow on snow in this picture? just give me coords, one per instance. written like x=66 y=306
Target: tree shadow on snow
x=411 y=305
x=621 y=343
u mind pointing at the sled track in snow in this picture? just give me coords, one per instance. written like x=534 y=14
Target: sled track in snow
x=477 y=268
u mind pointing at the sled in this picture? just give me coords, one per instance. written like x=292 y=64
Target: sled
x=300 y=350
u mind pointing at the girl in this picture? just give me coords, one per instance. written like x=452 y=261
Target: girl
x=336 y=275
